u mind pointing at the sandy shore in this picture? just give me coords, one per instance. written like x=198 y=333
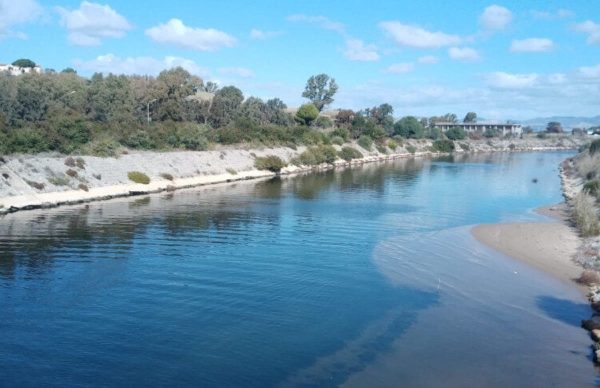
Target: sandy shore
x=547 y=246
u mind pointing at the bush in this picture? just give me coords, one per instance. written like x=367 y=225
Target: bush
x=542 y=135
x=36 y=185
x=58 y=180
x=167 y=176
x=104 y=148
x=344 y=133
x=365 y=142
x=271 y=163
x=307 y=114
x=348 y=153
x=139 y=140
x=464 y=146
x=27 y=141
x=337 y=140
x=392 y=145
x=323 y=122
x=585 y=216
x=70 y=162
x=592 y=188
x=594 y=146
x=489 y=133
x=138 y=177
x=72 y=173
x=412 y=149
x=381 y=148
x=317 y=155
x=231 y=171
x=443 y=145
x=83 y=187
x=456 y=133
x=192 y=137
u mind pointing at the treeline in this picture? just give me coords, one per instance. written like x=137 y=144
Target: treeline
x=67 y=113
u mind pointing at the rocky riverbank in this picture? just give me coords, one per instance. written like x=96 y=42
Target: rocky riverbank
x=37 y=181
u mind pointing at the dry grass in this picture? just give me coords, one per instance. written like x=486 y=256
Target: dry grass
x=588 y=166
x=585 y=215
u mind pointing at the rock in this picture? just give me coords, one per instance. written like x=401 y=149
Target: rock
x=595 y=335
x=591 y=324
x=596 y=306
x=596 y=355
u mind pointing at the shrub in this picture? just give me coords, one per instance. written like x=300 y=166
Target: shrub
x=444 y=145
x=104 y=148
x=36 y=185
x=456 y=133
x=271 y=163
x=392 y=145
x=542 y=135
x=317 y=155
x=80 y=163
x=594 y=146
x=337 y=140
x=139 y=140
x=70 y=162
x=83 y=187
x=344 y=133
x=365 y=142
x=592 y=188
x=381 y=148
x=167 y=176
x=348 y=153
x=192 y=137
x=231 y=171
x=464 y=146
x=585 y=216
x=58 y=180
x=72 y=173
x=138 y=177
x=489 y=133
x=323 y=122
x=412 y=149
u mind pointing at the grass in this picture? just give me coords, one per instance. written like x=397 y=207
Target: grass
x=585 y=215
x=138 y=177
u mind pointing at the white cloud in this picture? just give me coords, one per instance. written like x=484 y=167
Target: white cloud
x=590 y=28
x=321 y=21
x=176 y=33
x=502 y=80
x=531 y=45
x=428 y=60
x=590 y=71
x=357 y=50
x=262 y=35
x=466 y=54
x=237 y=71
x=557 y=78
x=548 y=15
x=111 y=63
x=495 y=18
x=414 y=36
x=399 y=68
x=91 y=23
x=13 y=13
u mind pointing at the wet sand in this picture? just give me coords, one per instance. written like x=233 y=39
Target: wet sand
x=547 y=246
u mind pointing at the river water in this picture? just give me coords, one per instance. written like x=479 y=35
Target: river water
x=359 y=277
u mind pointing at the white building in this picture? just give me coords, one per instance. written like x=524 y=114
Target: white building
x=503 y=128
x=16 y=70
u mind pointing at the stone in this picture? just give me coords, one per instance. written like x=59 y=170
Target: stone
x=591 y=324
x=595 y=335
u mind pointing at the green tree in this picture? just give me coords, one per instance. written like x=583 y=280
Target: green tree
x=69 y=70
x=409 y=127
x=225 y=106
x=456 y=133
x=24 y=62
x=320 y=90
x=307 y=114
x=170 y=89
x=255 y=110
x=470 y=117
x=554 y=127
x=276 y=112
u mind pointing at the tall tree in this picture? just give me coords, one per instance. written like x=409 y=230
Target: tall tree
x=320 y=90
x=470 y=117
x=24 y=62
x=225 y=106
x=554 y=127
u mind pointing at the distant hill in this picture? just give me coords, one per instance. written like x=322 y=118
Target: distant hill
x=568 y=122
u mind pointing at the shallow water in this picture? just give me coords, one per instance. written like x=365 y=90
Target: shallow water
x=365 y=277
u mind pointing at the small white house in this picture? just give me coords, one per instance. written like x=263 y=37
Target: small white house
x=16 y=70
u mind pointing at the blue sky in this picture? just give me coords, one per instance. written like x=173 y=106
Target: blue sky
x=515 y=59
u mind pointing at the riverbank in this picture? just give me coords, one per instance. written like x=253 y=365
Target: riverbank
x=547 y=246
x=38 y=181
